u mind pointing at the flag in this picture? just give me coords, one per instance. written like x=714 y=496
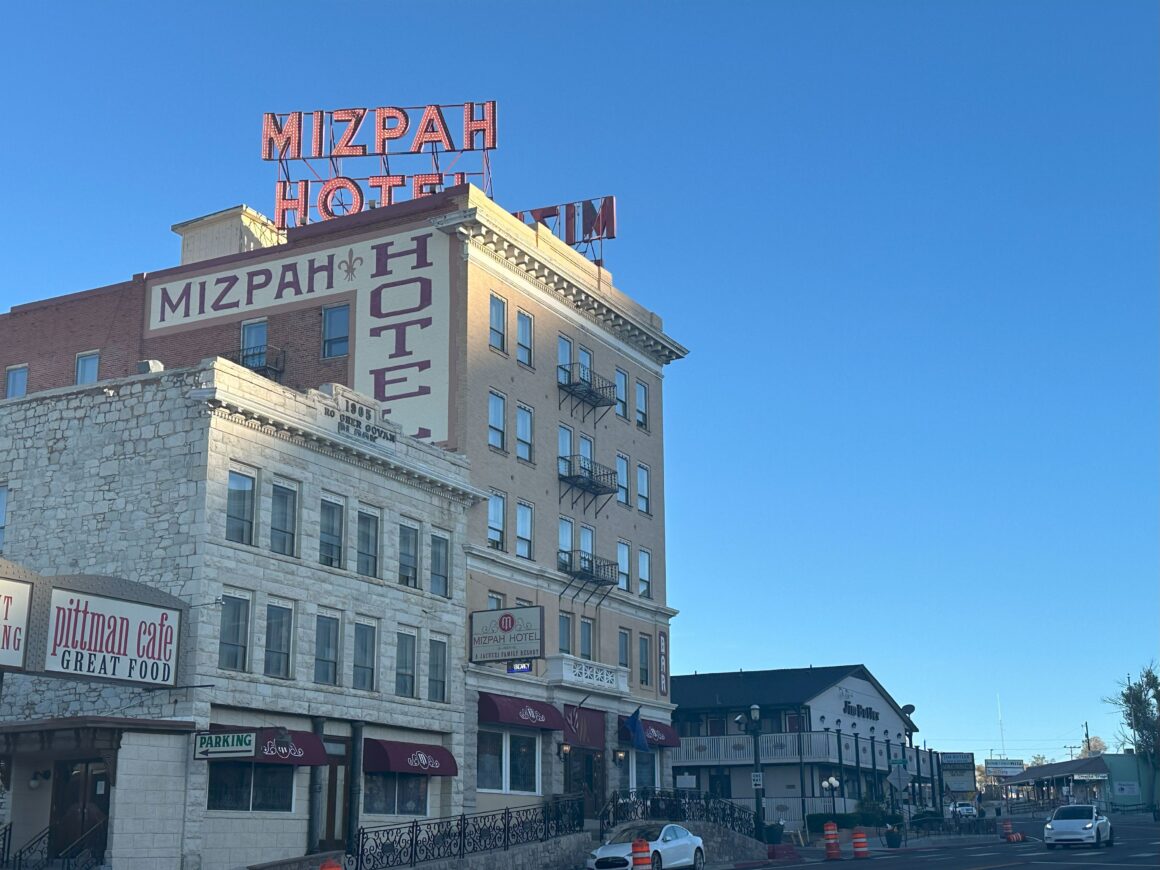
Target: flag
x=636 y=731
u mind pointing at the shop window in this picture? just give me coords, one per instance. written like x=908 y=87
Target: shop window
x=395 y=794
x=644 y=768
x=246 y=786
x=508 y=761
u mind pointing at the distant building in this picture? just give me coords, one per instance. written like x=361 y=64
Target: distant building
x=815 y=724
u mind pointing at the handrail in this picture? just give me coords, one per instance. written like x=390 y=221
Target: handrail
x=5 y=842
x=67 y=850
x=37 y=844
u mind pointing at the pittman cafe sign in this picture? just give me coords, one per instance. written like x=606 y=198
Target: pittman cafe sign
x=511 y=634
x=90 y=635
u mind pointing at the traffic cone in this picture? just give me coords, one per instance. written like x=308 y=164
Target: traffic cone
x=861 y=850
x=833 y=850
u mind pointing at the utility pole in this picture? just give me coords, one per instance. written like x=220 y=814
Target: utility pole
x=1087 y=740
x=1071 y=751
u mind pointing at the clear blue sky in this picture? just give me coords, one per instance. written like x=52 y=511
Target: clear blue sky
x=911 y=246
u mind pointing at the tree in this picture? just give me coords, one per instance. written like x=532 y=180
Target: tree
x=1139 y=703
x=1039 y=760
x=1095 y=746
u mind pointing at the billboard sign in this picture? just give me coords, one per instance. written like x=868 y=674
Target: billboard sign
x=15 y=599
x=959 y=780
x=957 y=759
x=398 y=289
x=1003 y=766
x=510 y=634
x=92 y=636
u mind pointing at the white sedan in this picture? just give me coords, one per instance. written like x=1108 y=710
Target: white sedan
x=1078 y=824
x=668 y=846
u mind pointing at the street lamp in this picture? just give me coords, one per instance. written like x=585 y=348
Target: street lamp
x=831 y=785
x=752 y=727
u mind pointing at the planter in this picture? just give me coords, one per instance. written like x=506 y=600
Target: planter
x=773 y=834
x=893 y=838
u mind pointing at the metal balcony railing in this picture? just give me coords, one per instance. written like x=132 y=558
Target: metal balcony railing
x=587 y=568
x=581 y=383
x=587 y=475
x=265 y=359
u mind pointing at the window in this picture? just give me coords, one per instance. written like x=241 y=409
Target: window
x=408 y=556
x=326 y=649
x=240 y=508
x=622 y=558
x=644 y=571
x=524 y=433
x=524 y=515
x=244 y=785
x=645 y=659
x=587 y=453
x=440 y=554
x=622 y=478
x=330 y=533
x=645 y=769
x=335 y=331
x=508 y=762
x=279 y=631
x=587 y=541
x=437 y=670
x=642 y=498
x=524 y=337
x=584 y=357
x=368 y=543
x=563 y=359
x=564 y=562
x=235 y=632
x=623 y=645
x=496 y=428
x=496 y=507
x=586 y=630
x=395 y=794
x=622 y=394
x=254 y=344
x=3 y=513
x=564 y=450
x=641 y=405
x=284 y=518
x=15 y=382
x=495 y=601
x=365 y=655
x=497 y=337
x=405 y=665
x=566 y=633
x=87 y=366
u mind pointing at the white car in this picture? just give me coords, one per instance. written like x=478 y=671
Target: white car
x=668 y=846
x=963 y=810
x=1078 y=824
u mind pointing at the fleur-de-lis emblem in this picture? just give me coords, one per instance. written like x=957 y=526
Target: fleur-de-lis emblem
x=350 y=265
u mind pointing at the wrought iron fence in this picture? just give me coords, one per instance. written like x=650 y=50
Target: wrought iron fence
x=455 y=836
x=5 y=842
x=677 y=805
x=33 y=855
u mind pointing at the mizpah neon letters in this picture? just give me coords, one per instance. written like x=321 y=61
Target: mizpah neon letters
x=385 y=132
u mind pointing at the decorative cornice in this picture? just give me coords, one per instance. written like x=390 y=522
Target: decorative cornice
x=334 y=449
x=476 y=229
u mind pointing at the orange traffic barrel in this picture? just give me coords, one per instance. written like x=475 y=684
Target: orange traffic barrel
x=330 y=864
x=1006 y=835
x=861 y=850
x=833 y=850
x=640 y=855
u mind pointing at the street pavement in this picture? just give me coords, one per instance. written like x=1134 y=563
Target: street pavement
x=1137 y=845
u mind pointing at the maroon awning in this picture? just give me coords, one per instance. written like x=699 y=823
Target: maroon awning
x=583 y=727
x=519 y=711
x=656 y=733
x=380 y=756
x=303 y=748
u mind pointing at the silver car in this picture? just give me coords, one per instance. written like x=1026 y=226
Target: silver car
x=1078 y=824
x=668 y=846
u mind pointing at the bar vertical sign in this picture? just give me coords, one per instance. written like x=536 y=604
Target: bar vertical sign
x=15 y=598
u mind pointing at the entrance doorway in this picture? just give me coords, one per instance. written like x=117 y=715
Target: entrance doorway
x=80 y=809
x=584 y=774
x=334 y=820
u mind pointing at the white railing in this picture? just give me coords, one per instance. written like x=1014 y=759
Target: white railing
x=816 y=747
x=565 y=670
